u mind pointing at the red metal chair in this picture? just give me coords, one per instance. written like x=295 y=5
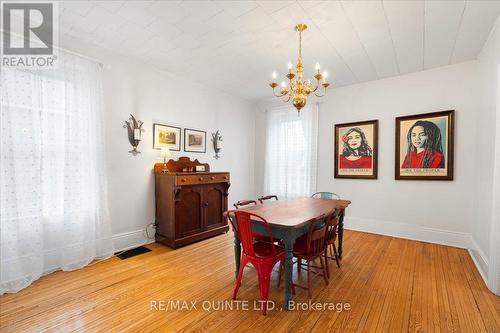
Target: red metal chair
x=262 y=255
x=267 y=197
x=310 y=248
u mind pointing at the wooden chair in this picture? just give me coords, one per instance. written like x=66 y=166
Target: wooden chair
x=242 y=203
x=310 y=248
x=267 y=197
x=262 y=255
x=326 y=195
x=332 y=221
x=263 y=238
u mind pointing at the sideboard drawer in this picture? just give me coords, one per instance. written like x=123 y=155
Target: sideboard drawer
x=218 y=178
x=201 y=179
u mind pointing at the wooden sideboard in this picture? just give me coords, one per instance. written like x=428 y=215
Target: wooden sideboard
x=189 y=205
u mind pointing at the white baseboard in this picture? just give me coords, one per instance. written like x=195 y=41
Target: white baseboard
x=408 y=231
x=132 y=239
x=479 y=259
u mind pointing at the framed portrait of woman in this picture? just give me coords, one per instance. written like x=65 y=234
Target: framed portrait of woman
x=356 y=150
x=424 y=146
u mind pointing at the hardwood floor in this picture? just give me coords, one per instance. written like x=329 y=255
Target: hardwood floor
x=391 y=285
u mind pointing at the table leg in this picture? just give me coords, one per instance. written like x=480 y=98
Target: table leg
x=237 y=253
x=341 y=232
x=288 y=270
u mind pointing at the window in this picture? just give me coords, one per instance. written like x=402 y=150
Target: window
x=291 y=151
x=53 y=206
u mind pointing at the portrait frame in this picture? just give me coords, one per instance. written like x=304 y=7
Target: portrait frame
x=195 y=141
x=160 y=131
x=441 y=120
x=371 y=127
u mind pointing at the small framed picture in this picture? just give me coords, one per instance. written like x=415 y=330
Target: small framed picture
x=165 y=136
x=195 y=141
x=356 y=150
x=424 y=146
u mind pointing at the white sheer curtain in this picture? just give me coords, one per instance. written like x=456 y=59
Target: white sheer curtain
x=291 y=151
x=53 y=206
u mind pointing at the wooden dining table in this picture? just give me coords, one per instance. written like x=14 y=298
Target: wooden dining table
x=288 y=220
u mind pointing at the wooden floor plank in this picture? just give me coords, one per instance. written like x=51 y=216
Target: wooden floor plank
x=352 y=290
x=471 y=314
x=392 y=285
x=485 y=300
x=391 y=295
x=359 y=317
x=444 y=314
x=398 y=320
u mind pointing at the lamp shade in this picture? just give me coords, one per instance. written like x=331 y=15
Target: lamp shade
x=165 y=153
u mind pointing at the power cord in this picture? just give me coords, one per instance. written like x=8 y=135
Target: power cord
x=146 y=232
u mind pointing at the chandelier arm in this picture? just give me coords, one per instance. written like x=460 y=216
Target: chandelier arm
x=324 y=93
x=316 y=88
x=288 y=99
x=320 y=95
x=280 y=95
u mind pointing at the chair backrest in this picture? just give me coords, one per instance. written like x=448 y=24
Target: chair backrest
x=316 y=236
x=243 y=228
x=267 y=197
x=242 y=203
x=326 y=195
x=332 y=221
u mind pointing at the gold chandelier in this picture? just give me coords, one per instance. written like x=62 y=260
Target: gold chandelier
x=298 y=89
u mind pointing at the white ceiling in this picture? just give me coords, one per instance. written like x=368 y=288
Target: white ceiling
x=235 y=45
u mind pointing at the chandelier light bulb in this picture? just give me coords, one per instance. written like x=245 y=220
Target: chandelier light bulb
x=325 y=74
x=283 y=84
x=318 y=67
x=289 y=65
x=274 y=75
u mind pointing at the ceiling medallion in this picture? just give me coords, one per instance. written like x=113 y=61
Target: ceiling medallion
x=297 y=89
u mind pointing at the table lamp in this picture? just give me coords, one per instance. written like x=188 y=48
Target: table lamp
x=165 y=154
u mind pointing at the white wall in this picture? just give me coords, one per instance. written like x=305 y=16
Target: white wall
x=486 y=234
x=154 y=96
x=437 y=211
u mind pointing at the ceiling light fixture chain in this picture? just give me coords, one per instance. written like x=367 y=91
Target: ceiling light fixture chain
x=300 y=45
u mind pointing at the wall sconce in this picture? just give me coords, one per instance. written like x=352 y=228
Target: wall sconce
x=217 y=142
x=134 y=129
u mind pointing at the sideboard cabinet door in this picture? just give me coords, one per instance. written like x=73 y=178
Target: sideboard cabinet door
x=215 y=205
x=189 y=211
